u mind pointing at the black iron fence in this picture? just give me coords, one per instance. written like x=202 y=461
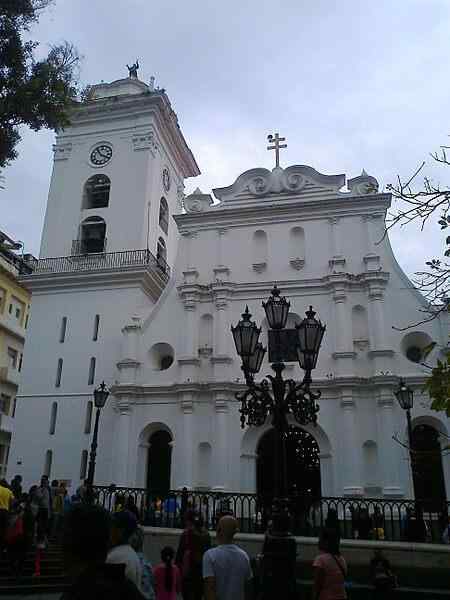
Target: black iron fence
x=99 y=261
x=356 y=518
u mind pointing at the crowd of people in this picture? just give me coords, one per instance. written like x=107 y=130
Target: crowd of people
x=104 y=558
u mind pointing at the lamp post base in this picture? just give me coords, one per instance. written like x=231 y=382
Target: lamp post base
x=279 y=557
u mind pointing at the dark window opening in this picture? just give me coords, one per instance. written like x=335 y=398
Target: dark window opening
x=166 y=362
x=96 y=192
x=164 y=215
x=59 y=372
x=92 y=237
x=96 y=326
x=91 y=371
x=414 y=354
x=62 y=333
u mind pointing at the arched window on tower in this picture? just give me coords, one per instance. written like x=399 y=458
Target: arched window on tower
x=92 y=237
x=161 y=253
x=164 y=215
x=96 y=192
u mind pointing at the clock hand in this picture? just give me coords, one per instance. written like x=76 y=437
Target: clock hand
x=101 y=154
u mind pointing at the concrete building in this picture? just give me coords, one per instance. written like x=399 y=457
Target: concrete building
x=133 y=290
x=14 y=309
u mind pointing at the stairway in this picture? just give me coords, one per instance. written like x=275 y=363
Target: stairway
x=51 y=579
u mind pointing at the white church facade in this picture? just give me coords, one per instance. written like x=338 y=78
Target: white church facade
x=138 y=286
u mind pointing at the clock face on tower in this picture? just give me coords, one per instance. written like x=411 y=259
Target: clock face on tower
x=101 y=154
x=166 y=179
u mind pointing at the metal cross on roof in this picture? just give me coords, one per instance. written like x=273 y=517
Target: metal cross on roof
x=275 y=140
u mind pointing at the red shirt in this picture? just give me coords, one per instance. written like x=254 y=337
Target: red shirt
x=159 y=573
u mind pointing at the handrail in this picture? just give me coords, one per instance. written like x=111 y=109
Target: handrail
x=384 y=519
x=99 y=261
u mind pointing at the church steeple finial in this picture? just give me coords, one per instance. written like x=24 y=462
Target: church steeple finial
x=275 y=140
x=132 y=71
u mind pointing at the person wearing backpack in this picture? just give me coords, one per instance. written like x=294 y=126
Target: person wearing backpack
x=330 y=568
x=194 y=542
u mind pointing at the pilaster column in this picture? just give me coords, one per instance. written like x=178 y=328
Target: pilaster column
x=129 y=363
x=221 y=475
x=221 y=233
x=221 y=337
x=122 y=442
x=187 y=408
x=376 y=317
x=389 y=451
x=344 y=352
x=351 y=455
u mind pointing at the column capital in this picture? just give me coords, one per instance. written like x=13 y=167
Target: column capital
x=347 y=399
x=385 y=398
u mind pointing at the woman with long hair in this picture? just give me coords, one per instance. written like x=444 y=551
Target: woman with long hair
x=330 y=568
x=167 y=576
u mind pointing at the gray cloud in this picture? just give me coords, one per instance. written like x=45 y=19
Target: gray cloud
x=351 y=84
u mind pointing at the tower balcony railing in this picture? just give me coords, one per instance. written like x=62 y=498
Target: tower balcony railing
x=99 y=261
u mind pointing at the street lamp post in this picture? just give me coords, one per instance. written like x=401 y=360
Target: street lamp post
x=278 y=399
x=405 y=397
x=100 y=397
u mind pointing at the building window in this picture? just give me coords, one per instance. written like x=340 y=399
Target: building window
x=20 y=362
x=2 y=298
x=92 y=238
x=88 y=424
x=26 y=320
x=59 y=372
x=5 y=404
x=14 y=408
x=91 y=371
x=96 y=192
x=62 y=333
x=10 y=309
x=53 y=414
x=12 y=357
x=161 y=253
x=48 y=463
x=84 y=462
x=96 y=326
x=164 y=215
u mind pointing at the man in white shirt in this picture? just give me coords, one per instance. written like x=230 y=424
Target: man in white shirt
x=124 y=525
x=227 y=573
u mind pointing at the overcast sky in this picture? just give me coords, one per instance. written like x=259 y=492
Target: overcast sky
x=352 y=84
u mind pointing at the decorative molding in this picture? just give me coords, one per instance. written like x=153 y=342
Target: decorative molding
x=205 y=351
x=259 y=267
x=62 y=151
x=337 y=264
x=292 y=180
x=383 y=352
x=221 y=405
x=338 y=355
x=361 y=345
x=128 y=363
x=363 y=184
x=190 y=276
x=297 y=263
x=189 y=360
x=372 y=262
x=221 y=273
x=197 y=202
x=221 y=359
x=145 y=141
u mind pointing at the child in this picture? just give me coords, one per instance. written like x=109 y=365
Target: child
x=167 y=576
x=147 y=581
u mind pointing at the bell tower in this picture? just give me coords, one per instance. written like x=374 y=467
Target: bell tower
x=118 y=174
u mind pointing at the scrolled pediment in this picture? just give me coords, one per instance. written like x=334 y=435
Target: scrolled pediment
x=257 y=183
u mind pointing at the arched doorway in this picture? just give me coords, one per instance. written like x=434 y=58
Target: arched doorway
x=159 y=462
x=428 y=475
x=302 y=459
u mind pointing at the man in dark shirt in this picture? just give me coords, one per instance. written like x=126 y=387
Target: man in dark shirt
x=85 y=543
